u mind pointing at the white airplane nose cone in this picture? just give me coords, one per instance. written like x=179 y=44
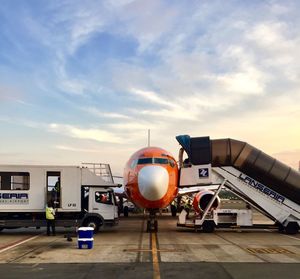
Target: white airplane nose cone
x=153 y=182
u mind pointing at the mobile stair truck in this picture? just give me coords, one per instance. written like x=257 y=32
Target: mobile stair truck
x=82 y=195
x=261 y=181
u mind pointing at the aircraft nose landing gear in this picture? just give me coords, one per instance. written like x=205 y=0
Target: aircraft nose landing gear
x=152 y=224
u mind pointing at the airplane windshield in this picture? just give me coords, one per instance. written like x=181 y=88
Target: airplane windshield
x=144 y=161
x=161 y=161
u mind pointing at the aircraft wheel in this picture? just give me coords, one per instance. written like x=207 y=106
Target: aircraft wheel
x=155 y=225
x=126 y=210
x=208 y=226
x=292 y=228
x=148 y=226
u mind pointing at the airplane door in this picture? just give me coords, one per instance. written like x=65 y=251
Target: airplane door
x=53 y=195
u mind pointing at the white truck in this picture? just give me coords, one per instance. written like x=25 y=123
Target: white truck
x=82 y=195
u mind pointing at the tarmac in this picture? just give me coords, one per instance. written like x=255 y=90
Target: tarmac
x=128 y=251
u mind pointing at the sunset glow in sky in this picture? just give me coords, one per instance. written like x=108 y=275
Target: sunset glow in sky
x=83 y=81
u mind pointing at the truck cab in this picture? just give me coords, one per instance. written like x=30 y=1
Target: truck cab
x=103 y=201
x=102 y=208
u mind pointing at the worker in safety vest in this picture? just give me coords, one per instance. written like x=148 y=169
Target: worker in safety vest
x=50 y=217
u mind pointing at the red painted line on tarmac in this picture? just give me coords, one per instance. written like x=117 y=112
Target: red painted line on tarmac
x=16 y=243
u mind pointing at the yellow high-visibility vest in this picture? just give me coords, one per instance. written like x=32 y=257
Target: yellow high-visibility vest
x=50 y=213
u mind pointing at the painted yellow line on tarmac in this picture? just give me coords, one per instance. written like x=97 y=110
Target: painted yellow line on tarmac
x=155 y=261
x=269 y=250
x=15 y=244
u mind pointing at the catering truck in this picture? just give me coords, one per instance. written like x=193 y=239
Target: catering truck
x=81 y=195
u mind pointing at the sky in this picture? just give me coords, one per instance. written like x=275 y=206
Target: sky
x=83 y=81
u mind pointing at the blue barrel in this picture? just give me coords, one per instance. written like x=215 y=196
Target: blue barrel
x=85 y=232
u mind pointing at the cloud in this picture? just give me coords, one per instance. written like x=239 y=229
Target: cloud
x=88 y=23
x=10 y=93
x=290 y=157
x=178 y=108
x=72 y=86
x=151 y=96
x=106 y=71
x=137 y=21
x=90 y=134
x=131 y=126
x=270 y=35
x=241 y=83
x=76 y=149
x=104 y=114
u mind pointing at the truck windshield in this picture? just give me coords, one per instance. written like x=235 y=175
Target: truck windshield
x=103 y=197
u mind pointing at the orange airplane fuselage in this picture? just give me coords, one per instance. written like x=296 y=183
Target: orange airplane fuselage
x=151 y=178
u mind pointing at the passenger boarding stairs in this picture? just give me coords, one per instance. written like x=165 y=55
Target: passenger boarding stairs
x=275 y=206
x=266 y=184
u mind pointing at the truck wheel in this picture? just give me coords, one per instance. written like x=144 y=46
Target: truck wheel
x=292 y=228
x=1 y=229
x=126 y=209
x=208 y=226
x=93 y=223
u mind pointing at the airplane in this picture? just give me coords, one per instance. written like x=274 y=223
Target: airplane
x=151 y=182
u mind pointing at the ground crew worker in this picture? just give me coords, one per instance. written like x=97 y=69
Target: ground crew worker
x=188 y=207
x=50 y=217
x=56 y=192
x=173 y=208
x=57 y=186
x=104 y=198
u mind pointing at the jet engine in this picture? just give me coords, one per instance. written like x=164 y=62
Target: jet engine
x=202 y=199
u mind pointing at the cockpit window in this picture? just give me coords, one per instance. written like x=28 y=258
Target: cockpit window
x=133 y=164
x=144 y=161
x=161 y=161
x=172 y=163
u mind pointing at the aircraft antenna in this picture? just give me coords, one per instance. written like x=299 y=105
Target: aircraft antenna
x=148 y=137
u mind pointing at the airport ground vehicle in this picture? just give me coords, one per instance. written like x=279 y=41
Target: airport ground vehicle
x=82 y=195
x=263 y=182
x=220 y=218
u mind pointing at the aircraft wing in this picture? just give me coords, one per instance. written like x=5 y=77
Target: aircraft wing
x=195 y=189
x=120 y=192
